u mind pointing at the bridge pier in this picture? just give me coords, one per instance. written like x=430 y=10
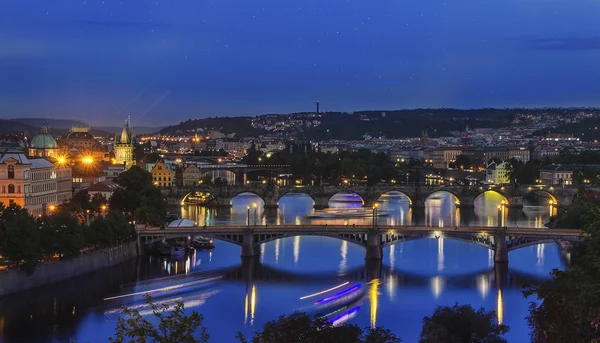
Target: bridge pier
x=374 y=248
x=249 y=248
x=501 y=252
x=501 y=275
x=372 y=269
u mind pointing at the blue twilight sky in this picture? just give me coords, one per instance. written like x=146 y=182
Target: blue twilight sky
x=165 y=61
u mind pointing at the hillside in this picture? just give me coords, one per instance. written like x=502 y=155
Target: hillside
x=55 y=124
x=10 y=127
x=340 y=125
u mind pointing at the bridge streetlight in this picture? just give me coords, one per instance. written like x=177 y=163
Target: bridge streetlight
x=248 y=217
x=375 y=214
x=255 y=213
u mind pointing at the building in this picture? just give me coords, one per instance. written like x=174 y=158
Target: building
x=104 y=188
x=124 y=147
x=43 y=144
x=64 y=183
x=79 y=142
x=162 y=174
x=190 y=175
x=520 y=154
x=31 y=183
x=113 y=172
x=497 y=174
x=556 y=175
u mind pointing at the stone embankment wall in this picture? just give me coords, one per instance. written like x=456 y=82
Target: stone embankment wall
x=12 y=281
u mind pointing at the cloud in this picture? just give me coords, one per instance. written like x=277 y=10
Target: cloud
x=125 y=24
x=571 y=43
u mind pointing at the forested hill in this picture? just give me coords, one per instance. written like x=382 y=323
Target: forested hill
x=340 y=125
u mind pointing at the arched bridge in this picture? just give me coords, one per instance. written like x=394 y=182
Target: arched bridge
x=373 y=238
x=417 y=195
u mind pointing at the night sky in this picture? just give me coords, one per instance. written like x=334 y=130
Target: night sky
x=165 y=61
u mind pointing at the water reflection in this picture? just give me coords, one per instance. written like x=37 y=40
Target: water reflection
x=374 y=300
x=345 y=200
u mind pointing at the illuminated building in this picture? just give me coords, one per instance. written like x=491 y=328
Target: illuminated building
x=162 y=174
x=33 y=183
x=43 y=144
x=124 y=147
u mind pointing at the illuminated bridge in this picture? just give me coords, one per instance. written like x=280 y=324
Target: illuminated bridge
x=373 y=237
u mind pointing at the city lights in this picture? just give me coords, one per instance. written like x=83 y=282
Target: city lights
x=87 y=160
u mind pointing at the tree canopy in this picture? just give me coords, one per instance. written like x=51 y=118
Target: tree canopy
x=462 y=324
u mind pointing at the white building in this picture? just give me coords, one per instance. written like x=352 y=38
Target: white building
x=497 y=173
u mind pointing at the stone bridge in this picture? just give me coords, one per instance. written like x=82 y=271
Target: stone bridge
x=372 y=238
x=417 y=194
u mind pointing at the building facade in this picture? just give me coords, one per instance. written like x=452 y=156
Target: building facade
x=43 y=144
x=162 y=174
x=124 y=147
x=497 y=174
x=32 y=183
x=191 y=175
x=556 y=175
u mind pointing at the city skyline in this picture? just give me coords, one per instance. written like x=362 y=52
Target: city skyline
x=163 y=62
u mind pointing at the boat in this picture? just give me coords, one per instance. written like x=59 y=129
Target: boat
x=347 y=213
x=202 y=243
x=177 y=251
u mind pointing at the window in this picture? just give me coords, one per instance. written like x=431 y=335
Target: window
x=11 y=171
x=11 y=188
x=18 y=189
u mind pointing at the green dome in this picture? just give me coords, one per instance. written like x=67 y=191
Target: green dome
x=43 y=140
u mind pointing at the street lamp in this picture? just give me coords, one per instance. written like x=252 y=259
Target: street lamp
x=87 y=217
x=52 y=208
x=499 y=217
x=248 y=216
x=255 y=212
x=375 y=214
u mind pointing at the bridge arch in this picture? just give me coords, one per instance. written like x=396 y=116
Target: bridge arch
x=484 y=241
x=356 y=239
x=394 y=194
x=344 y=196
x=260 y=201
x=296 y=194
x=492 y=191
x=433 y=195
x=549 y=195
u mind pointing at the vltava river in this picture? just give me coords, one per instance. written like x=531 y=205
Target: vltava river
x=416 y=276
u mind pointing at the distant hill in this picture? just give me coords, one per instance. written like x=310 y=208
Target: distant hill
x=60 y=126
x=9 y=127
x=354 y=125
x=117 y=129
x=57 y=124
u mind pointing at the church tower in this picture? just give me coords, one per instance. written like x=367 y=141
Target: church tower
x=124 y=146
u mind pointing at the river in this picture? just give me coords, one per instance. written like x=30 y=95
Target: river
x=416 y=276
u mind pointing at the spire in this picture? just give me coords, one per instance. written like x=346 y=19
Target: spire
x=125 y=137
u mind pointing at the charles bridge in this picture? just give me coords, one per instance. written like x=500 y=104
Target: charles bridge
x=465 y=196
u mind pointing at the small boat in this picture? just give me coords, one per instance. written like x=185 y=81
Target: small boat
x=177 y=251
x=347 y=213
x=202 y=243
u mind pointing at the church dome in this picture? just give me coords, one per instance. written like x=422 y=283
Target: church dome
x=43 y=140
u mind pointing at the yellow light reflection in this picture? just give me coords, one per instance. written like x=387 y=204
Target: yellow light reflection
x=374 y=299
x=500 y=306
x=252 y=304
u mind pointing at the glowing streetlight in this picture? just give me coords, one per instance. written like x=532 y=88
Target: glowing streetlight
x=52 y=208
x=62 y=160
x=87 y=160
x=248 y=216
x=255 y=212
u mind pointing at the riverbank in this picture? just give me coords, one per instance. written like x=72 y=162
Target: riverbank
x=13 y=281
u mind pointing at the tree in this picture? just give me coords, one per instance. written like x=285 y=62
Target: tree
x=135 y=179
x=96 y=202
x=299 y=327
x=174 y=326
x=463 y=162
x=569 y=311
x=61 y=234
x=21 y=239
x=462 y=324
